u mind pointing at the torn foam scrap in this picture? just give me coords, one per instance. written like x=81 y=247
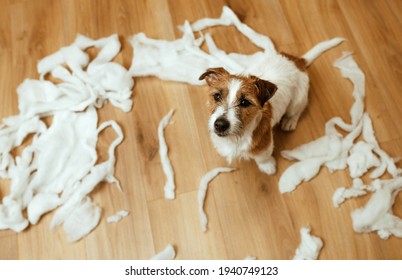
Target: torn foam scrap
x=312 y=156
x=358 y=189
x=377 y=214
x=82 y=220
x=11 y=216
x=310 y=246
x=166 y=254
x=202 y=192
x=163 y=152
x=180 y=60
x=361 y=159
x=41 y=204
x=117 y=217
x=228 y=17
x=386 y=162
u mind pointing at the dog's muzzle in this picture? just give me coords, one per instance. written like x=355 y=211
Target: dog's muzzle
x=221 y=126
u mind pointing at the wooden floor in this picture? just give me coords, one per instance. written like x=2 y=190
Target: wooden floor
x=247 y=214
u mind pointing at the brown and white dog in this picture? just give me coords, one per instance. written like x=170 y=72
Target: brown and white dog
x=244 y=108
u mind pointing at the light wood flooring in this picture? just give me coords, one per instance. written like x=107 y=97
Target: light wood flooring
x=247 y=214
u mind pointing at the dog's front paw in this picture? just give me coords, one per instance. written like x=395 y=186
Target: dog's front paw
x=289 y=124
x=268 y=167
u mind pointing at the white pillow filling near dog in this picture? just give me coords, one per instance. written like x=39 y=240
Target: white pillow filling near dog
x=377 y=214
x=202 y=192
x=57 y=170
x=360 y=157
x=186 y=61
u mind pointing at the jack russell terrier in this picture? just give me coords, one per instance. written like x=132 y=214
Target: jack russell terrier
x=245 y=108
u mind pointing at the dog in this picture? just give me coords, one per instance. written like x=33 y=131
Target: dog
x=245 y=107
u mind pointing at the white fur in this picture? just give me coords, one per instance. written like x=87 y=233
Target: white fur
x=291 y=97
x=234 y=86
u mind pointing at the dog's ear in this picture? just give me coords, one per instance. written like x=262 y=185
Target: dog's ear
x=266 y=90
x=213 y=75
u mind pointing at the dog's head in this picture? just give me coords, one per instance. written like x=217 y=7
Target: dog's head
x=235 y=101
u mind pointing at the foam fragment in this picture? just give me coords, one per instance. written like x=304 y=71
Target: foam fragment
x=202 y=192
x=163 y=153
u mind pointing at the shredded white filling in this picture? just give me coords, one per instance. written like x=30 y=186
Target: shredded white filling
x=167 y=254
x=57 y=169
x=163 y=152
x=332 y=149
x=342 y=193
x=377 y=214
x=337 y=152
x=117 y=217
x=310 y=246
x=183 y=60
x=202 y=192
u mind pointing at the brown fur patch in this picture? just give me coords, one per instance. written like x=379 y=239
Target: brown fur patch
x=300 y=63
x=262 y=136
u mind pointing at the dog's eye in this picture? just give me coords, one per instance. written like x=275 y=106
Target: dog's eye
x=244 y=102
x=217 y=96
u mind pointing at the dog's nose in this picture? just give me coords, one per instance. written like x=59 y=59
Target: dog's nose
x=221 y=125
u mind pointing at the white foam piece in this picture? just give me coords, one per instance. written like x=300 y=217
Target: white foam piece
x=117 y=217
x=11 y=216
x=310 y=246
x=82 y=220
x=342 y=193
x=228 y=17
x=202 y=192
x=312 y=156
x=40 y=204
x=166 y=254
x=377 y=214
x=361 y=159
x=163 y=152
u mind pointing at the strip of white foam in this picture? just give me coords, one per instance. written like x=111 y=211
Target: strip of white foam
x=163 y=152
x=202 y=192
x=166 y=254
x=117 y=217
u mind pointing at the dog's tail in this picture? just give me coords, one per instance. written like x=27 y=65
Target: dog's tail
x=318 y=49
